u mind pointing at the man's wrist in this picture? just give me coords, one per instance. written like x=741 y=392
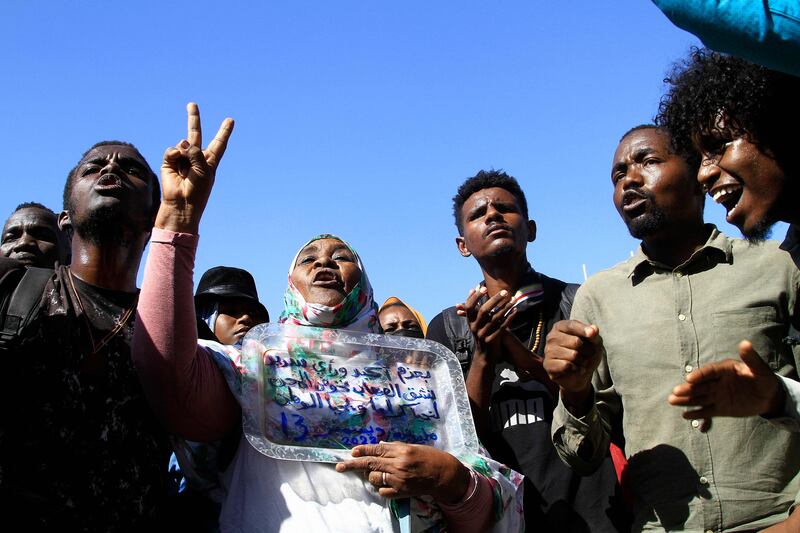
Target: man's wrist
x=579 y=402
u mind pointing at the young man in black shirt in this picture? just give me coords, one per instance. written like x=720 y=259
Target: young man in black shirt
x=80 y=449
x=498 y=335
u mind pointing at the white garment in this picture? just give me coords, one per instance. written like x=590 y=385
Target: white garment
x=268 y=495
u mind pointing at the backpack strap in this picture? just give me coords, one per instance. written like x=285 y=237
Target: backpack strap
x=567 y=297
x=457 y=330
x=23 y=303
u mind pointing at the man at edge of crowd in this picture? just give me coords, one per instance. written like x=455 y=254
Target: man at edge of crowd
x=498 y=335
x=80 y=449
x=642 y=325
x=736 y=115
x=31 y=236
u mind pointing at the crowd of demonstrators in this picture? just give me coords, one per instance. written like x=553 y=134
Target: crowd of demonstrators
x=32 y=236
x=196 y=386
x=641 y=326
x=499 y=335
x=622 y=402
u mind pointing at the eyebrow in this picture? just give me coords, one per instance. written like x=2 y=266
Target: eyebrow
x=640 y=153
x=309 y=248
x=637 y=156
x=103 y=160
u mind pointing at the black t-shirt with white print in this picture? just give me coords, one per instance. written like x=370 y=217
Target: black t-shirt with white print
x=520 y=414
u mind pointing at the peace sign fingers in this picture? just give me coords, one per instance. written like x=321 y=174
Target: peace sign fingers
x=188 y=173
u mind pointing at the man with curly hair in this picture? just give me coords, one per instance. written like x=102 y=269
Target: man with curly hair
x=739 y=116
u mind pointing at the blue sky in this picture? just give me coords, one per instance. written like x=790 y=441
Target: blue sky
x=354 y=118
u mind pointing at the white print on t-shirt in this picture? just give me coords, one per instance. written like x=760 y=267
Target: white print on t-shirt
x=517 y=412
x=510 y=378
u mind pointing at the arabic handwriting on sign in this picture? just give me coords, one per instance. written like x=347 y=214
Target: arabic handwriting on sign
x=298 y=431
x=405 y=374
x=324 y=402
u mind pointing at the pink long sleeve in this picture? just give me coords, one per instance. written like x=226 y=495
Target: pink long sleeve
x=182 y=383
x=474 y=515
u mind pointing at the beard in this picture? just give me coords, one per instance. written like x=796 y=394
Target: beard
x=760 y=232
x=104 y=226
x=648 y=223
x=762 y=229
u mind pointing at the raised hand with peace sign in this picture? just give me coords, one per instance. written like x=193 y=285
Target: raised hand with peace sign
x=187 y=175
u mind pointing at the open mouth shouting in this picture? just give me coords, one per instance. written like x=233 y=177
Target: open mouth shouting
x=108 y=182
x=634 y=202
x=728 y=195
x=328 y=279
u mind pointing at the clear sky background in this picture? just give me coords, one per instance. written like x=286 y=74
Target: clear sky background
x=354 y=118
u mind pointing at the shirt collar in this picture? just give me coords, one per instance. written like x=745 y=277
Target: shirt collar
x=718 y=245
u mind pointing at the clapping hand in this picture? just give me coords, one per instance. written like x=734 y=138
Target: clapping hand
x=488 y=321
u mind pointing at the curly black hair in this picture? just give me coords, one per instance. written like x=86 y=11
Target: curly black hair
x=487 y=179
x=715 y=98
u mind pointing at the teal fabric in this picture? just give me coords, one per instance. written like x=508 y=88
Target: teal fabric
x=766 y=32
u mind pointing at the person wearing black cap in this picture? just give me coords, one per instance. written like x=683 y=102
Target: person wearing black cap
x=227 y=305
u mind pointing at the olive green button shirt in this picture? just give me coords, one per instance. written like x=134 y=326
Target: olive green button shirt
x=657 y=325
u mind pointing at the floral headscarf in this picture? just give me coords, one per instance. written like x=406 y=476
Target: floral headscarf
x=357 y=311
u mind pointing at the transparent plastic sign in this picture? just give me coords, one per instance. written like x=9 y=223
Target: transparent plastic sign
x=312 y=394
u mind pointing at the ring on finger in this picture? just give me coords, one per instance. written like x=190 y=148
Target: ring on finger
x=383 y=479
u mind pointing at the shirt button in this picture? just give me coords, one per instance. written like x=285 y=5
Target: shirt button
x=679 y=274
x=703 y=480
x=696 y=424
x=709 y=531
x=688 y=368
x=681 y=317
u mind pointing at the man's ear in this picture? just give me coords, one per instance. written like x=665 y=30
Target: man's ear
x=531 y=231
x=462 y=247
x=64 y=223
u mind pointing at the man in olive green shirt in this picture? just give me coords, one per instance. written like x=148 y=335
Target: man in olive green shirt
x=686 y=299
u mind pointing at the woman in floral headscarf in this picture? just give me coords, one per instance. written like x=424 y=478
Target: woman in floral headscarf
x=328 y=287
x=342 y=293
